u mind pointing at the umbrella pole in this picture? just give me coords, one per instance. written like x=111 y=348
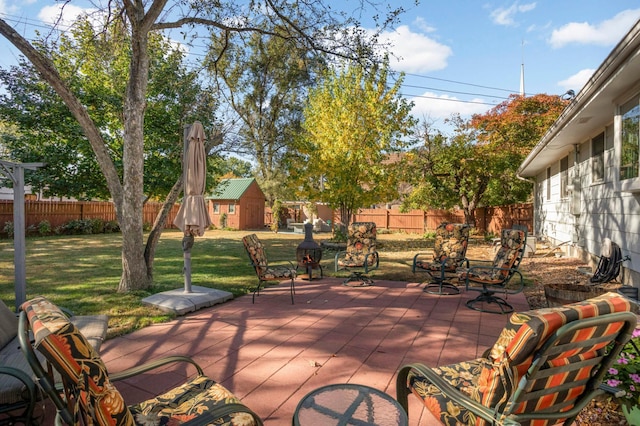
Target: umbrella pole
x=187 y=243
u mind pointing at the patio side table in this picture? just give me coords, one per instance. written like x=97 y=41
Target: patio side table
x=349 y=404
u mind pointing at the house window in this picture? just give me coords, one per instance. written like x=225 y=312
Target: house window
x=216 y=208
x=597 y=158
x=232 y=208
x=630 y=136
x=548 y=183
x=564 y=177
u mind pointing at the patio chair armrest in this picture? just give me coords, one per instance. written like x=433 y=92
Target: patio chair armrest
x=134 y=371
x=450 y=391
x=281 y=264
x=368 y=268
x=28 y=383
x=417 y=257
x=503 y=285
x=337 y=256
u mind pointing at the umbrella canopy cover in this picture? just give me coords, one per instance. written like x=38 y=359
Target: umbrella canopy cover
x=193 y=216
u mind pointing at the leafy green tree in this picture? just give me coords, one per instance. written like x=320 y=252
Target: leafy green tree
x=477 y=165
x=231 y=167
x=266 y=79
x=355 y=118
x=311 y=23
x=447 y=172
x=95 y=66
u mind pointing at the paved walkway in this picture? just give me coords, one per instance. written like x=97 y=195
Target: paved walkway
x=272 y=353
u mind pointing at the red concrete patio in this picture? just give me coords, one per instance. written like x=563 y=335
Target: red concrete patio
x=272 y=353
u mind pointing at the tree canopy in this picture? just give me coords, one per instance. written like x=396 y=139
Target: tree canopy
x=355 y=119
x=477 y=165
x=265 y=80
x=95 y=65
x=311 y=24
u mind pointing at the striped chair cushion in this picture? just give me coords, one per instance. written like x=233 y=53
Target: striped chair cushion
x=492 y=380
x=85 y=374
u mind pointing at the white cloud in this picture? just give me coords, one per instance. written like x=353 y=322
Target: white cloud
x=423 y=25
x=577 y=81
x=605 y=33
x=9 y=8
x=62 y=14
x=439 y=107
x=506 y=16
x=415 y=52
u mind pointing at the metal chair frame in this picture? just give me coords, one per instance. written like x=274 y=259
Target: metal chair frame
x=371 y=260
x=68 y=411
x=488 y=290
x=438 y=284
x=558 y=343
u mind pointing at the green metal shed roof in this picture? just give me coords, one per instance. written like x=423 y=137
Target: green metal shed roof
x=230 y=189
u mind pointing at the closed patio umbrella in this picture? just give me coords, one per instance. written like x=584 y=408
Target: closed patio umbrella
x=193 y=217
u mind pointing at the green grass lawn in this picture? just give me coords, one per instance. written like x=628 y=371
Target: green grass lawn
x=82 y=273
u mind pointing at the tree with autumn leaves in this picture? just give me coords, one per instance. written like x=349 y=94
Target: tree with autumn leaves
x=477 y=165
x=354 y=120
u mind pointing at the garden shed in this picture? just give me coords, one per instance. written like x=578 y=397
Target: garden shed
x=238 y=204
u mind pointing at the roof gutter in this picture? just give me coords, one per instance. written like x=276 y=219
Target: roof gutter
x=623 y=50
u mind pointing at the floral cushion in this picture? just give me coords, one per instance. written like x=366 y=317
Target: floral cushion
x=255 y=250
x=361 y=241
x=507 y=257
x=82 y=370
x=450 y=247
x=492 y=380
x=188 y=402
x=85 y=376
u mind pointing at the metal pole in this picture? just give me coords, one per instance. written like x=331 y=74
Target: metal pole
x=19 y=251
x=187 y=239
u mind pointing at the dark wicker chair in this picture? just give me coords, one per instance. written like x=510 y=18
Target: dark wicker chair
x=544 y=368
x=449 y=254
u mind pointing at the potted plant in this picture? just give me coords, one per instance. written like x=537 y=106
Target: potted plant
x=625 y=375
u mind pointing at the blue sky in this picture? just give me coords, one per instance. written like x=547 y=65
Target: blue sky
x=484 y=44
x=464 y=56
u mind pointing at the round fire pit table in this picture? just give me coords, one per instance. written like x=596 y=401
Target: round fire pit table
x=348 y=404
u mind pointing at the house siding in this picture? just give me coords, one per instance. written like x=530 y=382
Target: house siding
x=600 y=208
x=603 y=212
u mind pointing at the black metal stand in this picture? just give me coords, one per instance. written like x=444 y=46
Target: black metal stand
x=441 y=288
x=309 y=267
x=489 y=298
x=358 y=277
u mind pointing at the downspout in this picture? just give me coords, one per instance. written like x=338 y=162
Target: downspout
x=535 y=193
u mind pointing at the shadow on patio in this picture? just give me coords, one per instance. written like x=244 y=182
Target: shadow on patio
x=272 y=353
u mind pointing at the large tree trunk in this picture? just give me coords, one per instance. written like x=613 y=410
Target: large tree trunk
x=135 y=272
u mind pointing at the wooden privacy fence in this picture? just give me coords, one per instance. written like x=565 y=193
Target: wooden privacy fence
x=60 y=212
x=488 y=219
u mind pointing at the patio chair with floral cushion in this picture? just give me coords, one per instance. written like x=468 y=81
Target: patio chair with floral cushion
x=545 y=367
x=449 y=253
x=265 y=271
x=360 y=256
x=88 y=394
x=496 y=277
